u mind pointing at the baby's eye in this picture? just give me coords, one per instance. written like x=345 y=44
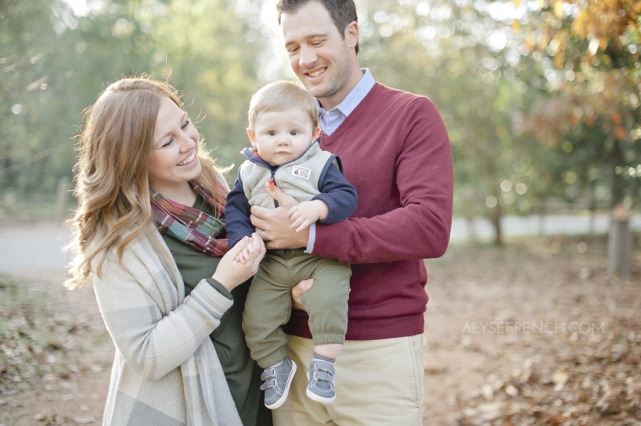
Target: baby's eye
x=294 y=132
x=185 y=124
x=271 y=133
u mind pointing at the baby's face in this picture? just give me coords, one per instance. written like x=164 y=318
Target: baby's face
x=282 y=136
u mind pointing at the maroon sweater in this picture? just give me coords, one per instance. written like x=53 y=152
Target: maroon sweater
x=396 y=152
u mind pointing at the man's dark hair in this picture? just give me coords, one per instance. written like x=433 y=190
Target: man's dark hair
x=342 y=11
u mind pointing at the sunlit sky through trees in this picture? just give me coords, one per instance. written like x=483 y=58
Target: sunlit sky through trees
x=274 y=59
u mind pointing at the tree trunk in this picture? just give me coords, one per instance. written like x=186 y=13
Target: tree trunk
x=542 y=209
x=592 y=207
x=496 y=215
x=634 y=190
x=6 y=164
x=471 y=230
x=620 y=242
x=470 y=201
x=616 y=191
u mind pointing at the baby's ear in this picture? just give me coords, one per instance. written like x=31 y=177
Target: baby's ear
x=316 y=133
x=251 y=135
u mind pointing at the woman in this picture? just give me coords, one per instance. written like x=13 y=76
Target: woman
x=150 y=234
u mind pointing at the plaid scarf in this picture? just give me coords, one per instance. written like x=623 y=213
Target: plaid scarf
x=197 y=229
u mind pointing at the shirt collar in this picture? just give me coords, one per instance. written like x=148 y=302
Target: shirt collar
x=355 y=96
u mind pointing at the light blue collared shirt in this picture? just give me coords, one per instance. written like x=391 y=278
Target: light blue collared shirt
x=332 y=119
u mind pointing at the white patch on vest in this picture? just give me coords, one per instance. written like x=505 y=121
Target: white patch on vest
x=302 y=172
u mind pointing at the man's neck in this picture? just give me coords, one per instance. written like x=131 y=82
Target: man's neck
x=331 y=101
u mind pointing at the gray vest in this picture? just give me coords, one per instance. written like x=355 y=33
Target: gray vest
x=298 y=178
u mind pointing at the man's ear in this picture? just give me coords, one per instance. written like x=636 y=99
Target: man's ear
x=352 y=33
x=251 y=135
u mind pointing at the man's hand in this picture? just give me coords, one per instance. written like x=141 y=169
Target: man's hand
x=274 y=224
x=297 y=293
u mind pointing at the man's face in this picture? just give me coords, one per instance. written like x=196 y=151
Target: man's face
x=322 y=59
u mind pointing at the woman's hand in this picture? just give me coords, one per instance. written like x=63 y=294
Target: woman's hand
x=297 y=293
x=230 y=272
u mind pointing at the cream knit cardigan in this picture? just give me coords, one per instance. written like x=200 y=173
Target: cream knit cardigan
x=166 y=371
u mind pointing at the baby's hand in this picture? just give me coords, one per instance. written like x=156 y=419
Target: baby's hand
x=307 y=212
x=244 y=254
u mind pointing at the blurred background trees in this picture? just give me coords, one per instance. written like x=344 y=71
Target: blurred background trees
x=541 y=98
x=594 y=81
x=54 y=63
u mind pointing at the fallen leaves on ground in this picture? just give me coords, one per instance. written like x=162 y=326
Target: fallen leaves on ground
x=33 y=339
x=545 y=335
x=41 y=341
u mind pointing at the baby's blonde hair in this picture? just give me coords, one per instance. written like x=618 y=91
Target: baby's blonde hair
x=281 y=96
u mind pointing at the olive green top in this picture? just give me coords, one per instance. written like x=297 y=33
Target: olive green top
x=242 y=373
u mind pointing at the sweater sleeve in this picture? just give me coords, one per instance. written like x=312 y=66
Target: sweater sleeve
x=237 y=213
x=420 y=227
x=154 y=343
x=339 y=195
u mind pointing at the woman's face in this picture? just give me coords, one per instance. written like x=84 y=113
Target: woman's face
x=173 y=160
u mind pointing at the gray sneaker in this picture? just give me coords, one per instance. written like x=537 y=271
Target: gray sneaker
x=276 y=382
x=321 y=381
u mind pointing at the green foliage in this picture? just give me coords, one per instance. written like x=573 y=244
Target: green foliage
x=216 y=66
x=29 y=151
x=593 y=70
x=55 y=64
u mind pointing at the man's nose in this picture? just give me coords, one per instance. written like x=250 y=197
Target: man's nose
x=307 y=56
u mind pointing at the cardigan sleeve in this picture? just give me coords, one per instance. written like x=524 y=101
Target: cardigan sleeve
x=154 y=333
x=419 y=227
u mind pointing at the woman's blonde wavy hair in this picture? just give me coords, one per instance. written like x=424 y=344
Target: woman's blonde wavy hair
x=112 y=186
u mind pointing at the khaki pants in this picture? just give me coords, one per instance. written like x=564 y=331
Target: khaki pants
x=378 y=382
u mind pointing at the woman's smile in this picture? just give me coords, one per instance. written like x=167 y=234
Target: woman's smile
x=188 y=160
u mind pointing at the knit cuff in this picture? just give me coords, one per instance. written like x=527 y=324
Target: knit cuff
x=220 y=288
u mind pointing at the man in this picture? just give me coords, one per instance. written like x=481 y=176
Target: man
x=396 y=153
